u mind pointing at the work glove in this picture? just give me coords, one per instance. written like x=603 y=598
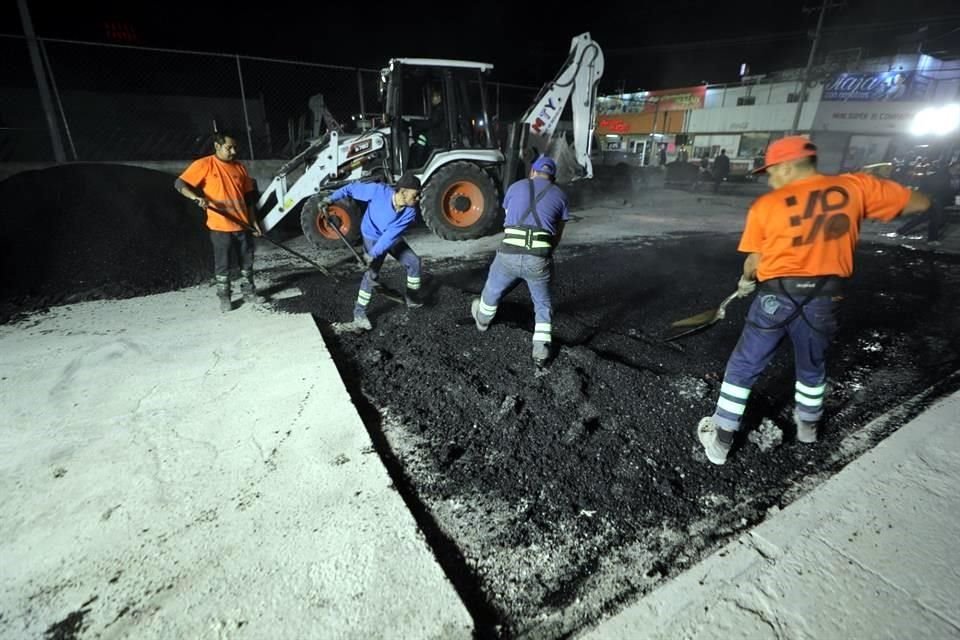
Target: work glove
x=746 y=286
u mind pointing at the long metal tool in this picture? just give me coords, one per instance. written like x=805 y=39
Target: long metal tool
x=699 y=322
x=387 y=292
x=229 y=216
x=333 y=222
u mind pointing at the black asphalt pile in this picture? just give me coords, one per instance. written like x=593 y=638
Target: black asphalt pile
x=88 y=231
x=621 y=183
x=553 y=498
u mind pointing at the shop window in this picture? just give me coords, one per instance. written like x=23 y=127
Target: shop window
x=753 y=144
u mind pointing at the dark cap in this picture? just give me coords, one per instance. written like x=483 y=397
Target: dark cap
x=408 y=181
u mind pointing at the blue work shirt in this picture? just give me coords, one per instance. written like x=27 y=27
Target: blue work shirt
x=552 y=208
x=382 y=224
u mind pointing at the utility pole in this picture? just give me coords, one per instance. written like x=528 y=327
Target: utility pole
x=806 y=72
x=45 y=97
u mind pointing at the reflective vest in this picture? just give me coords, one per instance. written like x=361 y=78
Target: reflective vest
x=531 y=239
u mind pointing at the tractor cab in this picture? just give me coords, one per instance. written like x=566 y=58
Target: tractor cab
x=433 y=106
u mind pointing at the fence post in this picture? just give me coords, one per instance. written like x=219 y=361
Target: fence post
x=363 y=106
x=45 y=99
x=246 y=116
x=56 y=93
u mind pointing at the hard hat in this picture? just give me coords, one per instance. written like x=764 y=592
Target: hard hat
x=787 y=149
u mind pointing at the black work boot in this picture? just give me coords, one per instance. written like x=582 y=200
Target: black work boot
x=248 y=289
x=223 y=293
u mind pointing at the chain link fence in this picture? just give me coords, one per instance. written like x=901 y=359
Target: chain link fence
x=125 y=103
x=23 y=130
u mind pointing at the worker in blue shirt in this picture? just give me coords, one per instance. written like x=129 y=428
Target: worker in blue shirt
x=390 y=211
x=536 y=210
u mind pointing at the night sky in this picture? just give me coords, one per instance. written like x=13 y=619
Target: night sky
x=647 y=45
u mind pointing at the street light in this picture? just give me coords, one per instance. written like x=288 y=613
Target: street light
x=939 y=121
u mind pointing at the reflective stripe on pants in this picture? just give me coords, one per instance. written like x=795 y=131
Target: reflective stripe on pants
x=506 y=272
x=403 y=254
x=810 y=333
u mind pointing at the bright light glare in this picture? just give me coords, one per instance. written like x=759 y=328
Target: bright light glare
x=936 y=120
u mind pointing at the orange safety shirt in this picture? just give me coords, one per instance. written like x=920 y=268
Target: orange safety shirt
x=810 y=227
x=225 y=185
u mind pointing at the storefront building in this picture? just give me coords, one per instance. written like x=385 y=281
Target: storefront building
x=742 y=119
x=646 y=123
x=879 y=112
x=859 y=113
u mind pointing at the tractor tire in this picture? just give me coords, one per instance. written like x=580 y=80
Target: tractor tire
x=459 y=202
x=320 y=232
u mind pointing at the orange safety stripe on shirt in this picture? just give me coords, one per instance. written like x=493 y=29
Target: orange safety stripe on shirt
x=225 y=185
x=810 y=227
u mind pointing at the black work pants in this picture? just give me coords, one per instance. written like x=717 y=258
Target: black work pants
x=224 y=243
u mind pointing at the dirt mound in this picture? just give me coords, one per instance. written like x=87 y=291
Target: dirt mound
x=88 y=231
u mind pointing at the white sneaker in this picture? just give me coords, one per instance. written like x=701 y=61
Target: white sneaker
x=707 y=434
x=475 y=312
x=362 y=323
x=806 y=431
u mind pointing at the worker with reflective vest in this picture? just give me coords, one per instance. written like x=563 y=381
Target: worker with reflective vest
x=799 y=240
x=536 y=210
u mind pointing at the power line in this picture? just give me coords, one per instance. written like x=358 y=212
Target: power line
x=777 y=37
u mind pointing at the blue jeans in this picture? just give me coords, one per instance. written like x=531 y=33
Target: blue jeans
x=771 y=317
x=403 y=254
x=506 y=272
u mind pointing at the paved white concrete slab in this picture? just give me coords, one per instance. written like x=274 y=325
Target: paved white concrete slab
x=171 y=472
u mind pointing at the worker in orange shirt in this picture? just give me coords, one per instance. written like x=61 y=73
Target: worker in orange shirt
x=799 y=240
x=220 y=182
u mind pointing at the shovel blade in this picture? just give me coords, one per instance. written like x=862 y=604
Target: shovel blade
x=680 y=332
x=705 y=317
x=698 y=322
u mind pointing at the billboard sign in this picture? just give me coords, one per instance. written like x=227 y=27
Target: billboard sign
x=653 y=101
x=886 y=86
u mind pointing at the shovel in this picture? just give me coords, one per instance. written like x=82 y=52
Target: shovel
x=700 y=321
x=386 y=292
x=232 y=218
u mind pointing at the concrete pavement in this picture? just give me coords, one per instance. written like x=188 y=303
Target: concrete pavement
x=171 y=472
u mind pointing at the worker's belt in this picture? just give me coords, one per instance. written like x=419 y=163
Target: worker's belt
x=801 y=287
x=529 y=240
